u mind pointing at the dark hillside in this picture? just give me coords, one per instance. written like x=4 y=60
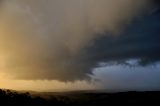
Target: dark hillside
x=9 y=98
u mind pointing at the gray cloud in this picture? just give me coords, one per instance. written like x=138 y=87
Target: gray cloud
x=139 y=41
x=64 y=39
x=118 y=78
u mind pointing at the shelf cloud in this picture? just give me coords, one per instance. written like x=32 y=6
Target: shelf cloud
x=65 y=39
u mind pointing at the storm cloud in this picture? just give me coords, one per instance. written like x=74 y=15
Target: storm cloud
x=65 y=39
x=140 y=41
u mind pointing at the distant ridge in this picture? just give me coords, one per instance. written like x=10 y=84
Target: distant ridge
x=77 y=98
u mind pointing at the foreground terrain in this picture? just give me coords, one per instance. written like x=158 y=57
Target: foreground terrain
x=12 y=98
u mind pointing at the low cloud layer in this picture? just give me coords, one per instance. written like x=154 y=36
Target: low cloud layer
x=140 y=41
x=65 y=39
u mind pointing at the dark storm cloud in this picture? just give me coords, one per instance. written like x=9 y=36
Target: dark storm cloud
x=65 y=39
x=141 y=41
x=156 y=2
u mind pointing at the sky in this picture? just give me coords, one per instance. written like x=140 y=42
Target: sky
x=79 y=45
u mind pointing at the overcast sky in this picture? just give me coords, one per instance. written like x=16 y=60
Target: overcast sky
x=61 y=44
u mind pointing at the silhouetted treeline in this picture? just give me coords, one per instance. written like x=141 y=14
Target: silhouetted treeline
x=8 y=98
